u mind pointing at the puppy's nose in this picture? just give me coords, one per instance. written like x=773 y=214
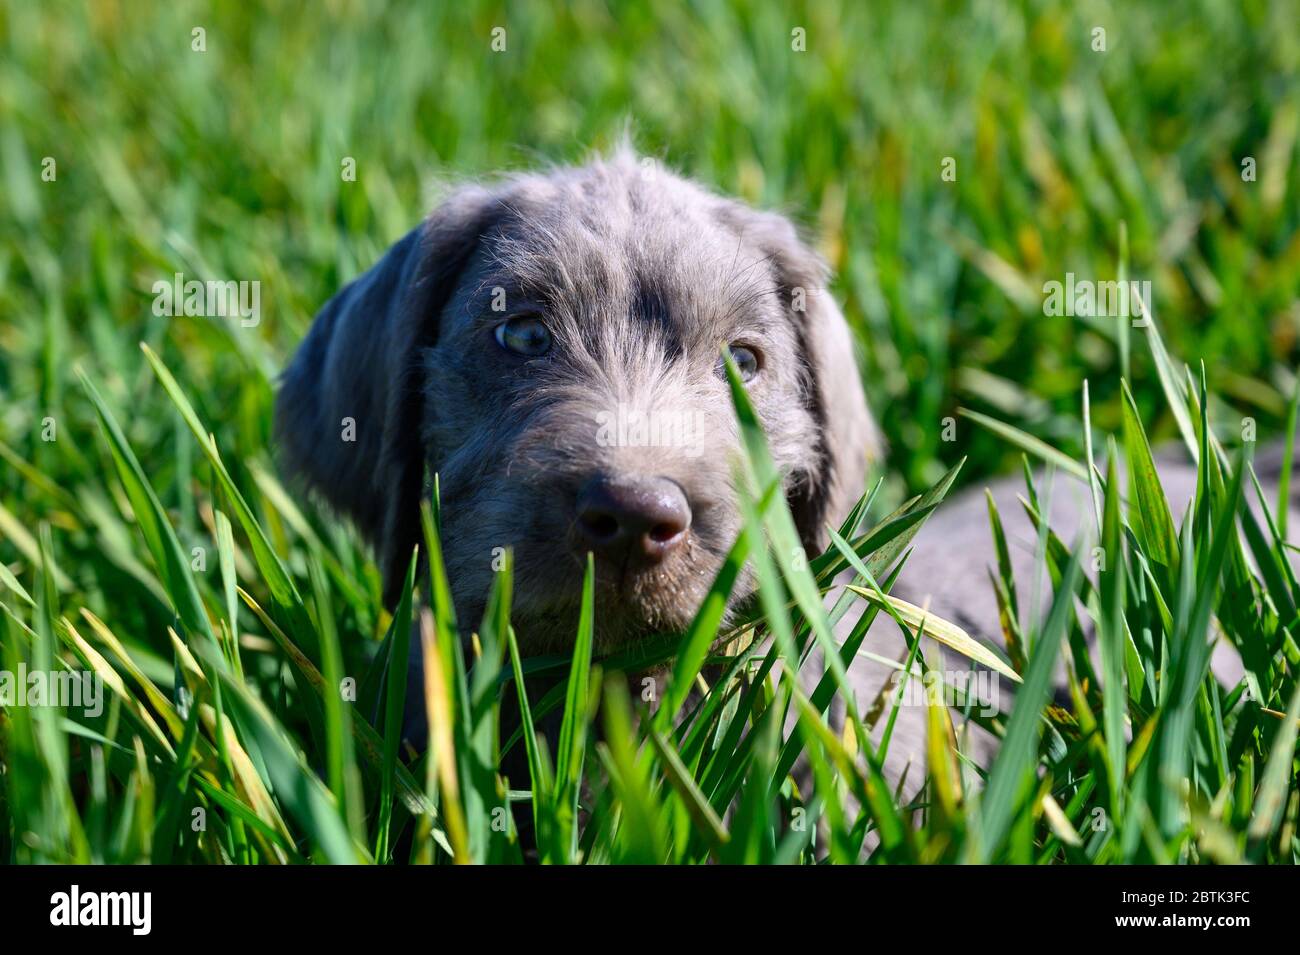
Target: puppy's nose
x=644 y=518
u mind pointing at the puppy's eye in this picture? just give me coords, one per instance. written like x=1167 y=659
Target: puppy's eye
x=746 y=360
x=524 y=335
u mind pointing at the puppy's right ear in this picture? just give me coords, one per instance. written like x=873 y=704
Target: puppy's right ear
x=349 y=408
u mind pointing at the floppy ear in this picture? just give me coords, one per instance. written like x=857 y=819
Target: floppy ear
x=349 y=407
x=848 y=436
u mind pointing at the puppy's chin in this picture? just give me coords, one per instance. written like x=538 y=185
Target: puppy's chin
x=632 y=605
x=616 y=629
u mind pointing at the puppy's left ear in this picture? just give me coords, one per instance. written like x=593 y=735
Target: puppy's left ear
x=848 y=438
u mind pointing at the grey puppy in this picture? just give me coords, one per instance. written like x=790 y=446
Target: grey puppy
x=550 y=347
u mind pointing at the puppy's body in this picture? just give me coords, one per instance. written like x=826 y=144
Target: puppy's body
x=948 y=572
x=633 y=279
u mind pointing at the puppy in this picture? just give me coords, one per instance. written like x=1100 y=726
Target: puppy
x=550 y=347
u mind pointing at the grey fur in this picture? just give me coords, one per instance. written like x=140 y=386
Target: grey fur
x=948 y=571
x=641 y=276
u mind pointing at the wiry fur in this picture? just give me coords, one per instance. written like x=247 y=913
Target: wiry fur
x=641 y=277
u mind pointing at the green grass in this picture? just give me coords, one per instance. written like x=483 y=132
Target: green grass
x=151 y=541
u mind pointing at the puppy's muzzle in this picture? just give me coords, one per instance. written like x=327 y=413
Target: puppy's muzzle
x=631 y=520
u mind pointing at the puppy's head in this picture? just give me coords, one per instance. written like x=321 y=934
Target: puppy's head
x=550 y=348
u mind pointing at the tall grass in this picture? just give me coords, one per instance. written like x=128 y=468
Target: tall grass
x=254 y=747
x=145 y=536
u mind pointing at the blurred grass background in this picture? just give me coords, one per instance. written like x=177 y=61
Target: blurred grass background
x=225 y=164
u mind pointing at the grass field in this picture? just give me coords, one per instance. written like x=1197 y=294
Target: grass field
x=145 y=536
